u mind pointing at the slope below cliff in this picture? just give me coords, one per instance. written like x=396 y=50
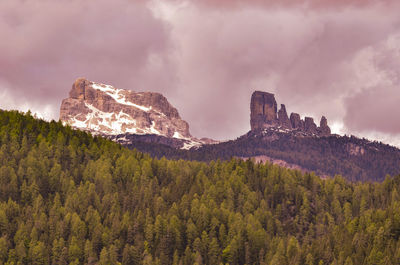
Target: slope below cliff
x=147 y=122
x=354 y=158
x=294 y=143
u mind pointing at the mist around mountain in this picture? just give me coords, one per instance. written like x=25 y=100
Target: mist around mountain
x=67 y=197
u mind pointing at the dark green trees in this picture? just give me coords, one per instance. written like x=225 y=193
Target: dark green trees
x=69 y=198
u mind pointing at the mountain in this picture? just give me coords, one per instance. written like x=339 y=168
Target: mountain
x=264 y=115
x=123 y=115
x=147 y=121
x=294 y=143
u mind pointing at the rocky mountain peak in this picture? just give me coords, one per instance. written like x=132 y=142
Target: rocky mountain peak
x=263 y=109
x=107 y=110
x=264 y=115
x=78 y=88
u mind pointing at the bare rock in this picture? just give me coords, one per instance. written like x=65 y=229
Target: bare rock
x=324 y=129
x=78 y=89
x=310 y=126
x=283 y=118
x=263 y=109
x=296 y=122
x=264 y=115
x=107 y=110
x=354 y=149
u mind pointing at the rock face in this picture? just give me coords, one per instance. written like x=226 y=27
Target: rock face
x=107 y=110
x=323 y=127
x=296 y=121
x=309 y=125
x=264 y=115
x=283 y=118
x=263 y=110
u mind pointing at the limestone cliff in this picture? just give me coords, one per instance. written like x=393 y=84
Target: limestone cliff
x=264 y=115
x=263 y=110
x=107 y=110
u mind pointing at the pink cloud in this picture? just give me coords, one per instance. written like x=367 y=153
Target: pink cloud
x=47 y=44
x=305 y=58
x=314 y=4
x=375 y=106
x=328 y=58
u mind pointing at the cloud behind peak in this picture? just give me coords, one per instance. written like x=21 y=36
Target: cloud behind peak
x=329 y=58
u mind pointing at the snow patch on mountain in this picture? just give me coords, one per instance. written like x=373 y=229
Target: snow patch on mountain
x=109 y=111
x=118 y=95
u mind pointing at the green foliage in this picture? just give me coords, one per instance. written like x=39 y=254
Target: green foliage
x=70 y=198
x=330 y=155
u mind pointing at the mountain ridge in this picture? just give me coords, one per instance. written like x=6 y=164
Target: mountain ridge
x=292 y=142
x=354 y=158
x=117 y=113
x=264 y=114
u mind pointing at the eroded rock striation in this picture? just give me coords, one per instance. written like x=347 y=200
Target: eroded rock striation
x=264 y=115
x=107 y=110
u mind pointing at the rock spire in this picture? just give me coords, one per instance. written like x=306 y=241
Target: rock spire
x=264 y=115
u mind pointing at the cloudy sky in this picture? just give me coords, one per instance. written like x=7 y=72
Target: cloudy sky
x=338 y=58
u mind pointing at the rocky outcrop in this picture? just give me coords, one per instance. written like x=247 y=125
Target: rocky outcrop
x=323 y=127
x=354 y=149
x=283 y=118
x=263 y=110
x=107 y=110
x=309 y=125
x=264 y=115
x=296 y=121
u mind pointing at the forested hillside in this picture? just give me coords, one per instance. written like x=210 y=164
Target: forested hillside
x=69 y=198
x=354 y=158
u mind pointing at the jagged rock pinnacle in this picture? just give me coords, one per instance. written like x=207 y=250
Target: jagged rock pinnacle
x=283 y=118
x=263 y=110
x=323 y=127
x=264 y=114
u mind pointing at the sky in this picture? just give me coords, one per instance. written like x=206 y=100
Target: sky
x=337 y=58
